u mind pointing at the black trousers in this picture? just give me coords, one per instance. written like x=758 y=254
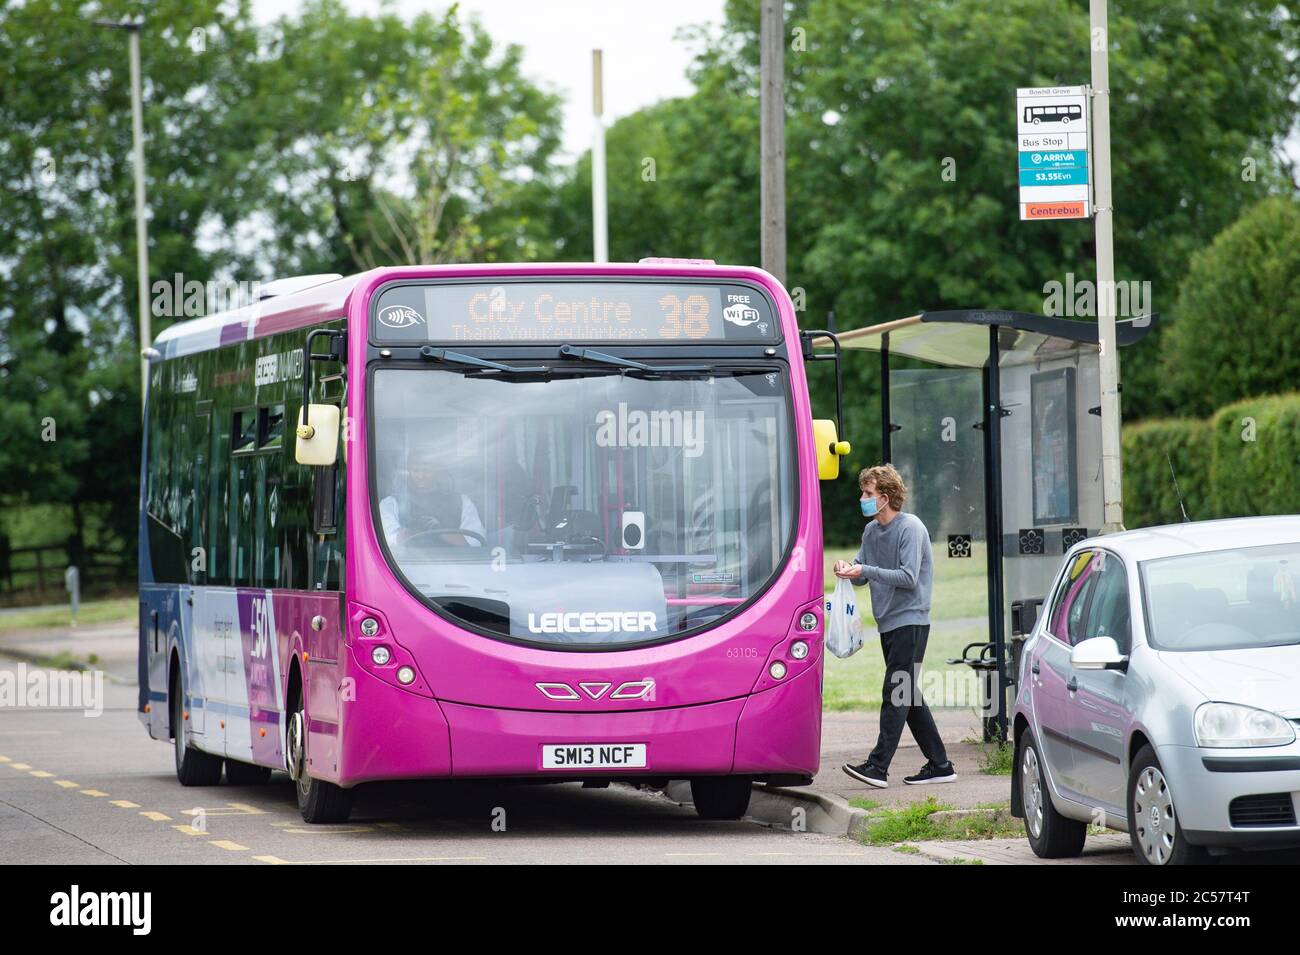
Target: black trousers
x=902 y=703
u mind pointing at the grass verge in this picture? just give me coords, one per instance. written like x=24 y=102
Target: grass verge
x=917 y=823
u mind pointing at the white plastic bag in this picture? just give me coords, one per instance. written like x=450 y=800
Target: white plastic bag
x=844 y=630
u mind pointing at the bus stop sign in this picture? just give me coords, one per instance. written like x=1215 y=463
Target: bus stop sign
x=1053 y=143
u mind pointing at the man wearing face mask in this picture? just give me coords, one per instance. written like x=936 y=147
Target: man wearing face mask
x=895 y=560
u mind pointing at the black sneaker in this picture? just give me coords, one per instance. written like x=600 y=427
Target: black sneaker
x=866 y=773
x=932 y=774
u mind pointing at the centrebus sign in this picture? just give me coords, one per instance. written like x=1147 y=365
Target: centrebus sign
x=1052 y=141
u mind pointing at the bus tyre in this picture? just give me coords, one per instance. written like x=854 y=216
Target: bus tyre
x=1153 y=826
x=193 y=766
x=318 y=801
x=246 y=774
x=1051 y=835
x=720 y=797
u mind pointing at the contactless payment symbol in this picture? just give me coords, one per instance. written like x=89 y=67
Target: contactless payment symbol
x=400 y=316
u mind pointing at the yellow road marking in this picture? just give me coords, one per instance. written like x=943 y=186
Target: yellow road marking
x=93 y=792
x=67 y=784
x=227 y=844
x=20 y=765
x=190 y=830
x=271 y=860
x=381 y=860
x=229 y=809
x=40 y=773
x=5 y=759
x=125 y=804
x=157 y=816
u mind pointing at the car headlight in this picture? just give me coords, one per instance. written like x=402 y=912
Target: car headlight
x=1234 y=725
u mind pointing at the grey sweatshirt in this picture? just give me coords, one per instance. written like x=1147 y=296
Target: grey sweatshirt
x=897 y=562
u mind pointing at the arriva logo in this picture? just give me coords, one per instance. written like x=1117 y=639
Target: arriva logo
x=593 y=621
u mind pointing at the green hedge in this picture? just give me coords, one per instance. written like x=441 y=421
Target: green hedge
x=1256 y=453
x=1149 y=496
x=1244 y=460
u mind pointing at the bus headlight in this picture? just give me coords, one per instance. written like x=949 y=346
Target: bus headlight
x=370 y=626
x=380 y=656
x=405 y=676
x=798 y=649
x=777 y=670
x=808 y=621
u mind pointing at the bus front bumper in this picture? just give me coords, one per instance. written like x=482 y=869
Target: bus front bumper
x=397 y=734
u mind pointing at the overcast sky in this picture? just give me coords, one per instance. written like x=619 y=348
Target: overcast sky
x=643 y=61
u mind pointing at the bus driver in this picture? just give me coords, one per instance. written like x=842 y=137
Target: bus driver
x=429 y=502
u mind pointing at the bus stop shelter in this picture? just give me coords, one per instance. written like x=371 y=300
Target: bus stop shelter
x=995 y=426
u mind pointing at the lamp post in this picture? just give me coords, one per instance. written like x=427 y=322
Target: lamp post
x=132 y=28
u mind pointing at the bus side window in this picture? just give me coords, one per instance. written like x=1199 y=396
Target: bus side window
x=324 y=518
x=201 y=448
x=325 y=510
x=218 y=513
x=243 y=437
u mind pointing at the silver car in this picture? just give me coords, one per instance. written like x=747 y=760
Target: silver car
x=1159 y=693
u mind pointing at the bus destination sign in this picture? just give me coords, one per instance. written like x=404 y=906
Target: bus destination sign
x=530 y=312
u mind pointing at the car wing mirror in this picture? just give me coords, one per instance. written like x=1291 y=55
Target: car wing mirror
x=1098 y=653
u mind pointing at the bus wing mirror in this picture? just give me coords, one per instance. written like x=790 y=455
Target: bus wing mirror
x=829 y=449
x=317 y=443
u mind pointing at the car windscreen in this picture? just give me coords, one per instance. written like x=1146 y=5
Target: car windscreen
x=1231 y=599
x=596 y=509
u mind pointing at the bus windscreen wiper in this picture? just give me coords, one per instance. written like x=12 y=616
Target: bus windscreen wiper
x=604 y=358
x=460 y=358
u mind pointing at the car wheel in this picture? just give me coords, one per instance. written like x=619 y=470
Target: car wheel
x=1051 y=835
x=1152 y=820
x=721 y=797
x=318 y=801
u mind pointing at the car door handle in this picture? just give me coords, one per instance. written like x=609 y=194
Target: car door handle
x=1034 y=669
x=1073 y=685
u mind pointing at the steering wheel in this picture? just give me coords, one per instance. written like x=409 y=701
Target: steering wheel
x=447 y=530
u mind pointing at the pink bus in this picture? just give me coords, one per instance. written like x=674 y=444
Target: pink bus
x=520 y=521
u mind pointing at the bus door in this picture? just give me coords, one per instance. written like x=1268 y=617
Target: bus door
x=248 y=488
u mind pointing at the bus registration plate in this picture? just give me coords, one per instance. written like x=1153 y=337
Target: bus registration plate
x=593 y=756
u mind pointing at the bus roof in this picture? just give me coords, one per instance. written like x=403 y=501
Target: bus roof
x=329 y=299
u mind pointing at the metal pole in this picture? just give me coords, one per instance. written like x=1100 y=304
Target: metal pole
x=993 y=529
x=772 y=136
x=886 y=428
x=599 y=208
x=1103 y=215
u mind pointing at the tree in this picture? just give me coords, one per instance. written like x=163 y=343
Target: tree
x=1236 y=330
x=69 y=372
x=901 y=169
x=387 y=142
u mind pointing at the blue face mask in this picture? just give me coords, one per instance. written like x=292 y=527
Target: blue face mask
x=869 y=508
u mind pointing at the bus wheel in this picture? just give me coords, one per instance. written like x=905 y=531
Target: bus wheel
x=720 y=797
x=193 y=766
x=318 y=801
x=246 y=774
